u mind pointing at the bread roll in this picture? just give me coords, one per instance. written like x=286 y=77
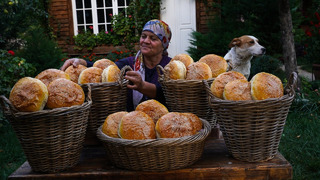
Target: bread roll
x=174 y=125
x=198 y=71
x=216 y=63
x=74 y=72
x=237 y=90
x=153 y=108
x=175 y=70
x=90 y=75
x=221 y=80
x=103 y=63
x=64 y=93
x=184 y=58
x=49 y=75
x=137 y=125
x=265 y=86
x=111 y=124
x=197 y=123
x=29 y=94
x=111 y=74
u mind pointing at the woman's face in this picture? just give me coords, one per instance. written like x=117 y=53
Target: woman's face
x=150 y=44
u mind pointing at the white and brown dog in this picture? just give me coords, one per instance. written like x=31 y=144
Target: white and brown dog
x=242 y=51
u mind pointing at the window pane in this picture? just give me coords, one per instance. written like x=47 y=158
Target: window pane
x=108 y=27
x=88 y=16
x=108 y=3
x=109 y=14
x=101 y=16
x=101 y=28
x=120 y=2
x=121 y=10
x=128 y=2
x=80 y=29
x=79 y=4
x=99 y=3
x=80 y=17
x=89 y=27
x=87 y=3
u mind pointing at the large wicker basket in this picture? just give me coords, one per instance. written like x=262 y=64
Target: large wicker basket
x=52 y=140
x=155 y=154
x=252 y=129
x=187 y=96
x=107 y=98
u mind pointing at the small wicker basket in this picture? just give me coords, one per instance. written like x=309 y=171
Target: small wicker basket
x=52 y=140
x=187 y=96
x=252 y=129
x=155 y=154
x=107 y=98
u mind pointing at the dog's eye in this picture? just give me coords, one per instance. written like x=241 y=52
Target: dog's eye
x=252 y=42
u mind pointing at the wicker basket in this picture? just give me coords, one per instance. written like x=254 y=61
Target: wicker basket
x=107 y=98
x=155 y=154
x=52 y=140
x=252 y=129
x=187 y=96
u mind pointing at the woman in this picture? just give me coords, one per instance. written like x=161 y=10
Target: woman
x=154 y=42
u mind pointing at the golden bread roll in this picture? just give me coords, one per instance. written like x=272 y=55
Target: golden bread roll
x=103 y=63
x=184 y=58
x=237 y=90
x=64 y=93
x=90 y=75
x=29 y=94
x=49 y=75
x=221 y=80
x=111 y=74
x=153 y=108
x=216 y=63
x=74 y=72
x=111 y=124
x=197 y=123
x=265 y=85
x=174 y=125
x=198 y=71
x=137 y=125
x=175 y=70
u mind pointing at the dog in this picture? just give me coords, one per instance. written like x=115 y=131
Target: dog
x=242 y=51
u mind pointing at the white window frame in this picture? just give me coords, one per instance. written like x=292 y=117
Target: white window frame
x=94 y=9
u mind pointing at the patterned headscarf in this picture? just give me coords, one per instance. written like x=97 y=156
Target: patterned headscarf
x=160 y=29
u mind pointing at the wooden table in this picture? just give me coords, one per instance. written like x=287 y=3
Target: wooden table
x=215 y=163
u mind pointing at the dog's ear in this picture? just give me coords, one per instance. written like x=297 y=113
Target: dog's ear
x=235 y=42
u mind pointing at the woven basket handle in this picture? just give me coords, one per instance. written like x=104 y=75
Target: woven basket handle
x=292 y=84
x=6 y=105
x=123 y=73
x=161 y=72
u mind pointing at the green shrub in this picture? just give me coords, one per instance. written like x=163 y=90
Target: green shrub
x=264 y=64
x=12 y=69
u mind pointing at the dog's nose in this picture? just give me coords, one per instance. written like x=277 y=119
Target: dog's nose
x=263 y=50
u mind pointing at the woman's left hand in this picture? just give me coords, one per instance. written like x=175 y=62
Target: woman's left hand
x=135 y=79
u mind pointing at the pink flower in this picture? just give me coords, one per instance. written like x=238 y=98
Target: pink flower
x=110 y=14
x=91 y=27
x=129 y=16
x=111 y=30
x=11 y=52
x=106 y=32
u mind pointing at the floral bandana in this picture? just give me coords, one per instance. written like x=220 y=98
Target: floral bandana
x=160 y=29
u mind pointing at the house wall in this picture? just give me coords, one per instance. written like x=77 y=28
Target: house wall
x=61 y=21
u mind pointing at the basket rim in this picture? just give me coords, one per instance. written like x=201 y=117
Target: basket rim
x=202 y=134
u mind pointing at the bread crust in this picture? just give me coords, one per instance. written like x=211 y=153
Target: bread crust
x=265 y=85
x=111 y=124
x=217 y=64
x=49 y=75
x=174 y=125
x=197 y=123
x=221 y=80
x=29 y=95
x=175 y=70
x=198 y=71
x=137 y=125
x=103 y=63
x=153 y=108
x=184 y=58
x=74 y=72
x=90 y=75
x=110 y=74
x=64 y=93
x=237 y=90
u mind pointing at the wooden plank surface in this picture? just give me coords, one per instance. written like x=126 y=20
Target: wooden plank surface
x=215 y=163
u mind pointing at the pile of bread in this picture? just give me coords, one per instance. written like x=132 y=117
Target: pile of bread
x=234 y=86
x=151 y=120
x=182 y=66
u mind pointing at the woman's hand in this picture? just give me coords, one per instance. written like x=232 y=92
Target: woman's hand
x=138 y=84
x=74 y=61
